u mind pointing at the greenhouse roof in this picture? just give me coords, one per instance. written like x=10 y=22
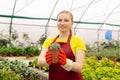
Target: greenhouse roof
x=87 y=13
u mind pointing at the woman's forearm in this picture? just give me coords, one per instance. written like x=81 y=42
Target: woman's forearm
x=77 y=67
x=79 y=61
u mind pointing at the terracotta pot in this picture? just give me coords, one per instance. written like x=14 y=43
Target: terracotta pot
x=3 y=55
x=11 y=55
x=113 y=59
x=55 y=54
x=27 y=56
x=17 y=55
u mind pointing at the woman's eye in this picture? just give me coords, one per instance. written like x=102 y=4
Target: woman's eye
x=59 y=20
x=66 y=20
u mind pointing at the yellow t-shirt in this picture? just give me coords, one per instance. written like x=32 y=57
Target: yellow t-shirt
x=76 y=43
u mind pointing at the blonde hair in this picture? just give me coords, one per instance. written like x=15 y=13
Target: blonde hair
x=68 y=12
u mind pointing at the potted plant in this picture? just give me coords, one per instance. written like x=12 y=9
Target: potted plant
x=19 y=51
x=54 y=50
x=4 y=51
x=30 y=51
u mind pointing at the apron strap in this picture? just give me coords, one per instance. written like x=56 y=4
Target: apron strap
x=69 y=38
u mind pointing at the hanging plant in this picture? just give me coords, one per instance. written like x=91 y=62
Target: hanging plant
x=42 y=39
x=4 y=42
x=25 y=36
x=14 y=35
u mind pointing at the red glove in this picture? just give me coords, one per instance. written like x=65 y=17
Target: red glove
x=48 y=58
x=62 y=57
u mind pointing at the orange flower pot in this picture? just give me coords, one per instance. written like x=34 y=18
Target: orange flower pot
x=55 y=54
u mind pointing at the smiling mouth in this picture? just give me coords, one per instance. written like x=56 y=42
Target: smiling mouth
x=62 y=27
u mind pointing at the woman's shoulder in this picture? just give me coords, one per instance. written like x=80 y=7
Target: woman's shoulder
x=47 y=42
x=49 y=39
x=75 y=37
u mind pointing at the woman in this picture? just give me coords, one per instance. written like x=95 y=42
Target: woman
x=73 y=47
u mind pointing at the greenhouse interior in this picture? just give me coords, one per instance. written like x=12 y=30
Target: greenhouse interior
x=26 y=24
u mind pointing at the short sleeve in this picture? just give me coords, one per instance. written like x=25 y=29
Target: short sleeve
x=47 y=42
x=80 y=44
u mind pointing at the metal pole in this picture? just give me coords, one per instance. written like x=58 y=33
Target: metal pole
x=11 y=21
x=46 y=27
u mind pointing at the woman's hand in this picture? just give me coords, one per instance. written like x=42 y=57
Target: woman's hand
x=67 y=64
x=62 y=57
x=48 y=58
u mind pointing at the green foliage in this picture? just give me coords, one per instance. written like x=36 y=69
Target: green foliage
x=25 y=36
x=18 y=68
x=106 y=52
x=4 y=50
x=4 y=42
x=31 y=50
x=55 y=46
x=6 y=74
x=42 y=39
x=34 y=63
x=45 y=68
x=106 y=62
x=103 y=69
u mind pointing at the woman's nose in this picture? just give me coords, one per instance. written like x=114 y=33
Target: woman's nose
x=62 y=22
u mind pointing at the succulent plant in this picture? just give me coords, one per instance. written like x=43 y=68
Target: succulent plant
x=54 y=50
x=55 y=46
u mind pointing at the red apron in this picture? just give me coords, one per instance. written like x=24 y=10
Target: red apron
x=56 y=72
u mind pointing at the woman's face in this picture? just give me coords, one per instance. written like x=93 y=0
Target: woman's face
x=64 y=22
